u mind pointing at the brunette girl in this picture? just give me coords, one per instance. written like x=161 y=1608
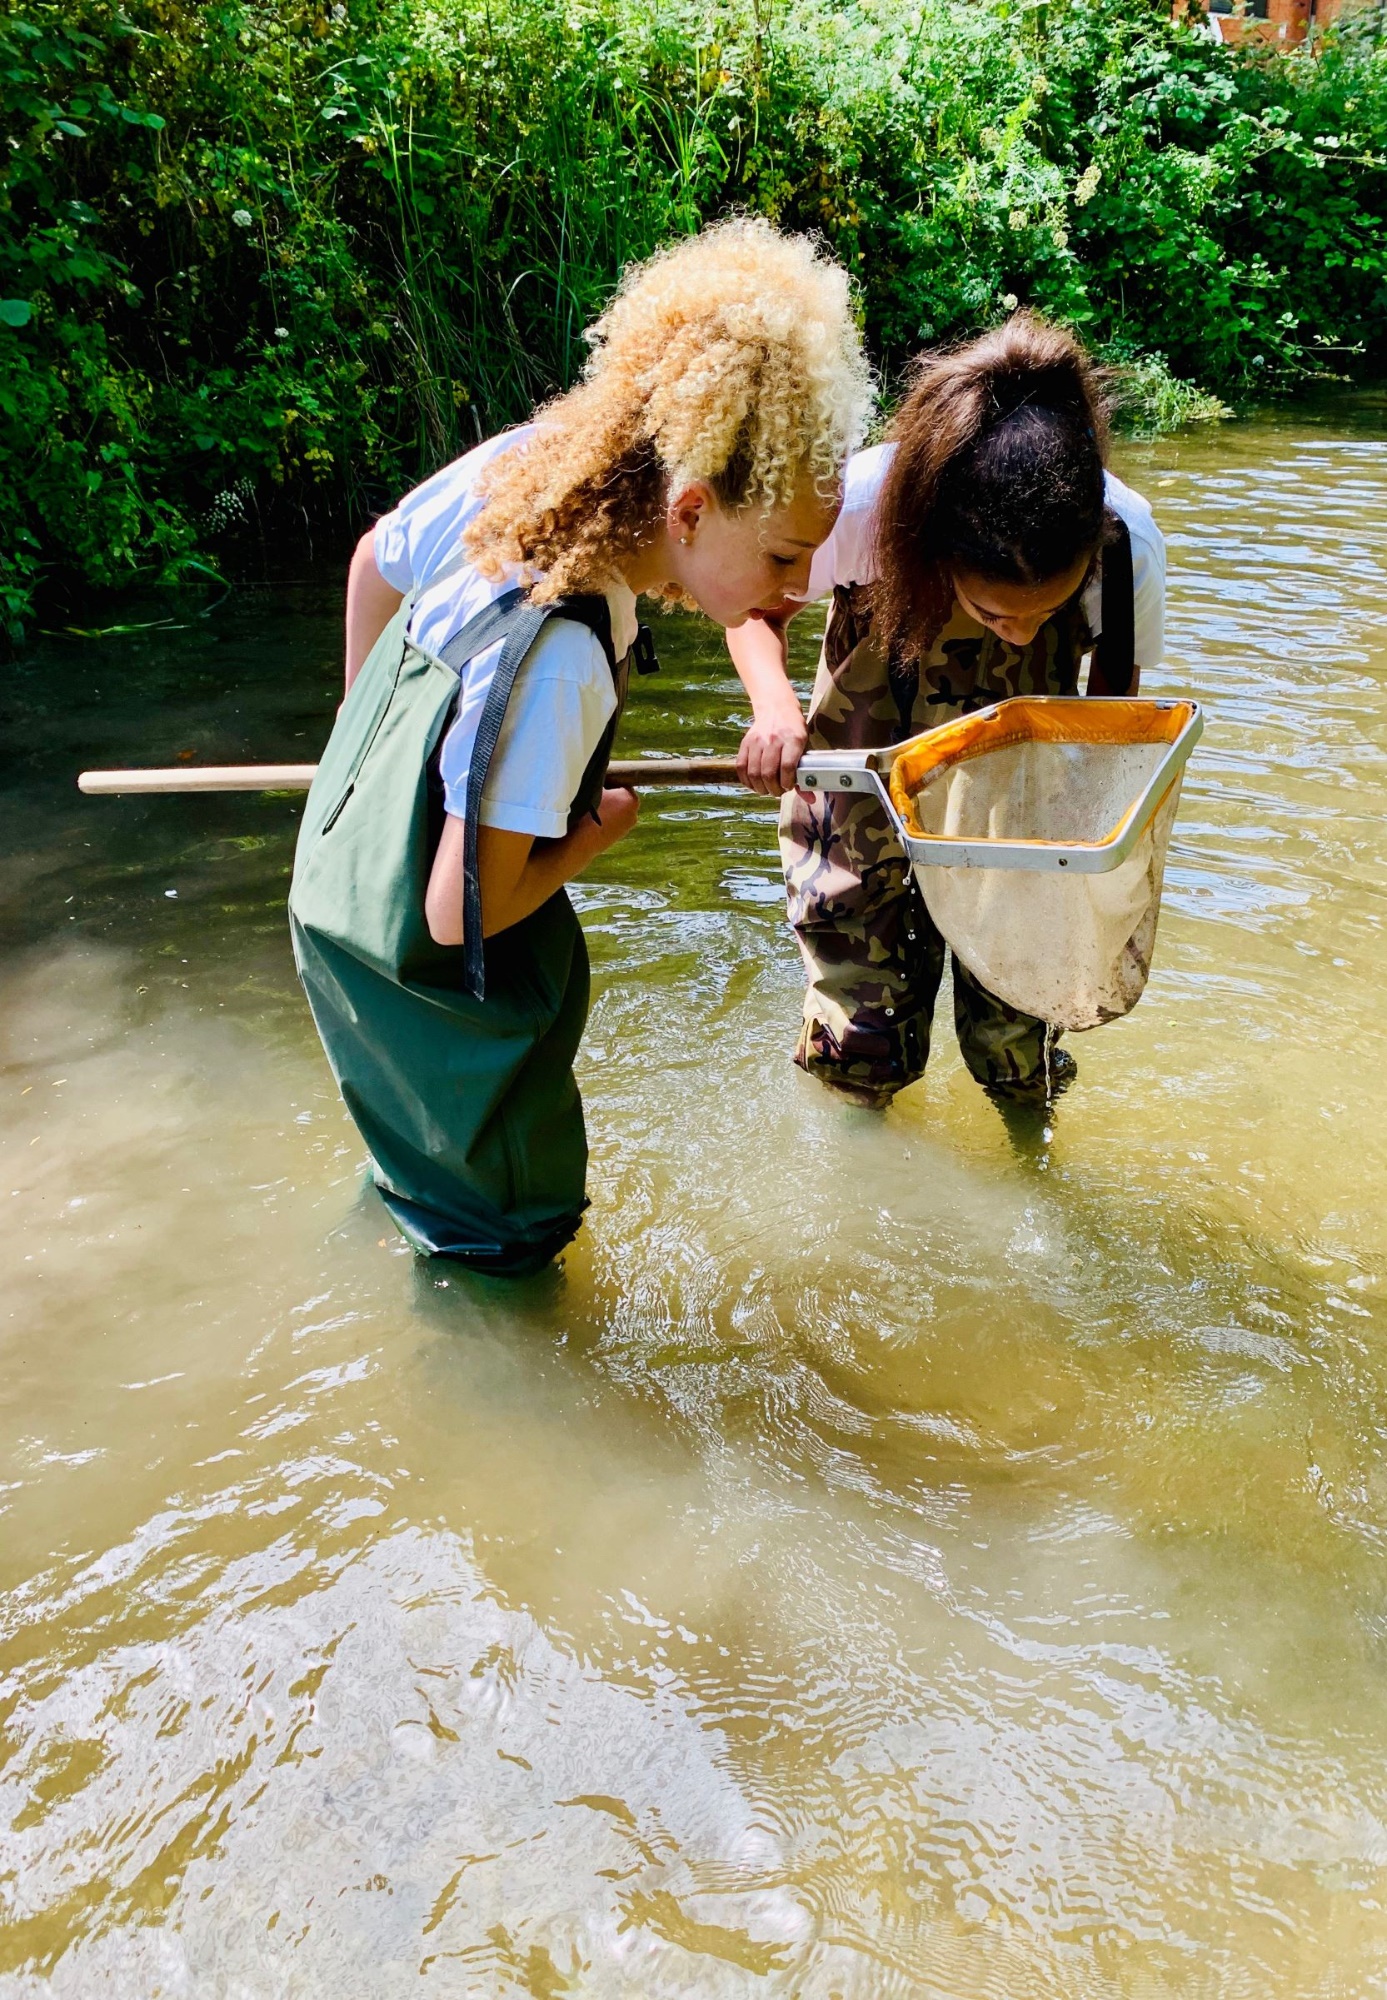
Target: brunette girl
x=494 y=611
x=982 y=552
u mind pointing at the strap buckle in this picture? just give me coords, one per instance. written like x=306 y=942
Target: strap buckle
x=643 y=654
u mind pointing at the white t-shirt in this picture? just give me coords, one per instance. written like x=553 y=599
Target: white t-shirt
x=846 y=557
x=563 y=698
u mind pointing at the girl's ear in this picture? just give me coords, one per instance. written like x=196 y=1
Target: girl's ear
x=687 y=510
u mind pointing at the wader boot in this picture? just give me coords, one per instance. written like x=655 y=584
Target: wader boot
x=873 y=956
x=455 y=1061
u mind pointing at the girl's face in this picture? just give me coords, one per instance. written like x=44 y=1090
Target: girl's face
x=1016 y=611
x=734 y=563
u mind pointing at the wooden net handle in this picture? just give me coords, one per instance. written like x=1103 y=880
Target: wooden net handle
x=642 y=771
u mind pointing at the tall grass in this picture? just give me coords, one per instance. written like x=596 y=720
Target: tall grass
x=275 y=261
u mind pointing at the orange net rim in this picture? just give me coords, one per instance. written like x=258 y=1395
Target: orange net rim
x=1034 y=719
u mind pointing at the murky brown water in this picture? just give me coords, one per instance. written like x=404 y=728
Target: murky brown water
x=894 y=1558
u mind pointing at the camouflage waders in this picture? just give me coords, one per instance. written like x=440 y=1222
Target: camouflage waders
x=873 y=955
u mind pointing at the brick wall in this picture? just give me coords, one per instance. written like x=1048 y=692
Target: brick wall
x=1279 y=21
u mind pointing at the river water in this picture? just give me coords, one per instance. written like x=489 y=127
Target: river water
x=905 y=1556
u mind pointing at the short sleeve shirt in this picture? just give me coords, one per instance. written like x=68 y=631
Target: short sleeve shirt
x=847 y=556
x=564 y=697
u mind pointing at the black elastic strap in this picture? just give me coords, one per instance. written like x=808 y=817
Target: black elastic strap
x=1114 y=662
x=520 y=623
x=495 y=621
x=482 y=631
x=526 y=621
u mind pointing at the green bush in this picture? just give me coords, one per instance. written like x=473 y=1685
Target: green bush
x=280 y=259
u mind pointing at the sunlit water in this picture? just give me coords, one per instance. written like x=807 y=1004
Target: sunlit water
x=893 y=1557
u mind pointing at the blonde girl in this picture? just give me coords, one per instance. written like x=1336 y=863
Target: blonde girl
x=491 y=625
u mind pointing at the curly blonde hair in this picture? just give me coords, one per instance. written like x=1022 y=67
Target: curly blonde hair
x=732 y=357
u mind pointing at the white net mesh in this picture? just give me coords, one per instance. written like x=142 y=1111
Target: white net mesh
x=1073 y=949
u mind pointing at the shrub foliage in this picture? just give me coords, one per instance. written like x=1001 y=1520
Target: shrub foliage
x=281 y=258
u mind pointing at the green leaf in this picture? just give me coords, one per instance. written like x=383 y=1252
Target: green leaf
x=15 y=312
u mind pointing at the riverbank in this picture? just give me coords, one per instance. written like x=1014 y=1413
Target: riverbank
x=262 y=266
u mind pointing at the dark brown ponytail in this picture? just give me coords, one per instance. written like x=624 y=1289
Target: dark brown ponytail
x=998 y=469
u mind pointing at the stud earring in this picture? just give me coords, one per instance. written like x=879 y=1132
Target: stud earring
x=683 y=541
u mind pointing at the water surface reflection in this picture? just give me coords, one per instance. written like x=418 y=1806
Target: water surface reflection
x=905 y=1557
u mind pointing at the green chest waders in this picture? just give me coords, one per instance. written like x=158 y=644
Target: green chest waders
x=455 y=1061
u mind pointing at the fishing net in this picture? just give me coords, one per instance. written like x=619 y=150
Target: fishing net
x=1038 y=831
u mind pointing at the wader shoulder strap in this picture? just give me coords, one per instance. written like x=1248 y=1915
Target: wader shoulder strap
x=522 y=623
x=1115 y=654
x=513 y=617
x=595 y=612
x=484 y=630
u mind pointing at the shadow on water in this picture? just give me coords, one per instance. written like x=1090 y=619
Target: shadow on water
x=888 y=1556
